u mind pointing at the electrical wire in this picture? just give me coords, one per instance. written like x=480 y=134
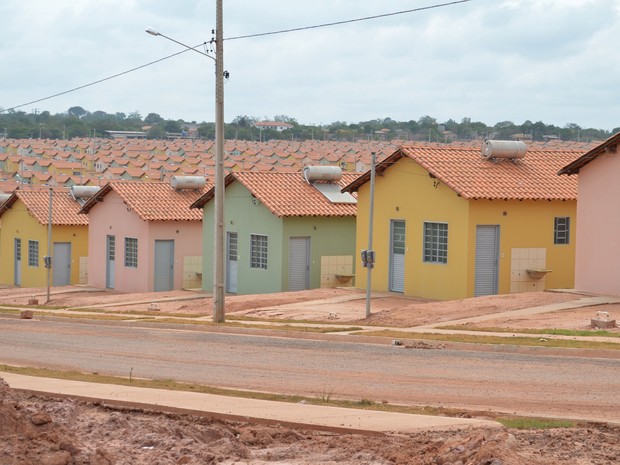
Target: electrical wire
x=348 y=21
x=262 y=34
x=100 y=80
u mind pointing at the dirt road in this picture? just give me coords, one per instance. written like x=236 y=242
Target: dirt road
x=528 y=383
x=62 y=432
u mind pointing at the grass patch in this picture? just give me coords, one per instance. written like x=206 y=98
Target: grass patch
x=98 y=317
x=267 y=326
x=535 y=423
x=499 y=340
x=551 y=331
x=11 y=311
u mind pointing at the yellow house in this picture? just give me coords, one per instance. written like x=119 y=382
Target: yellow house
x=453 y=222
x=24 y=239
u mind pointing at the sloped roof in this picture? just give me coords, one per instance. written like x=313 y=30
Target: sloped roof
x=610 y=145
x=287 y=194
x=152 y=201
x=64 y=208
x=463 y=170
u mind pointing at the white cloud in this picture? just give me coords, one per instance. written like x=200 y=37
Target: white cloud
x=485 y=59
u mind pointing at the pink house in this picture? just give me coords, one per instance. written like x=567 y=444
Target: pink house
x=597 y=255
x=143 y=237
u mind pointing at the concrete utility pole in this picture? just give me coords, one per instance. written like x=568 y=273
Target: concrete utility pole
x=218 y=234
x=48 y=258
x=370 y=223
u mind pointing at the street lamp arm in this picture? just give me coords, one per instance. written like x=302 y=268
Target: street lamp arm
x=155 y=33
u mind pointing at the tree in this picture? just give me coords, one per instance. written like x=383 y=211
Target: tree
x=285 y=119
x=244 y=121
x=156 y=132
x=153 y=118
x=78 y=112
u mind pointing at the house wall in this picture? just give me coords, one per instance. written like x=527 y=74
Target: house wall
x=328 y=237
x=17 y=223
x=113 y=217
x=245 y=215
x=526 y=241
x=597 y=256
x=187 y=237
x=406 y=192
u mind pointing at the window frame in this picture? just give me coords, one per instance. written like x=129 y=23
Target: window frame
x=435 y=242
x=33 y=253
x=131 y=252
x=561 y=233
x=259 y=251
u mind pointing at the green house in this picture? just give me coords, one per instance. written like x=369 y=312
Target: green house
x=284 y=231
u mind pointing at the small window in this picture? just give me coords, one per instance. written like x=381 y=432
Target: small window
x=33 y=253
x=561 y=230
x=436 y=242
x=258 y=251
x=131 y=252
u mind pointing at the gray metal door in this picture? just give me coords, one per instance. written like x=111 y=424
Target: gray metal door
x=397 y=256
x=164 y=266
x=299 y=263
x=110 y=261
x=61 y=264
x=487 y=263
x=232 y=254
x=17 y=268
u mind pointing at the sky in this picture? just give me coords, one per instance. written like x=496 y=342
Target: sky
x=488 y=60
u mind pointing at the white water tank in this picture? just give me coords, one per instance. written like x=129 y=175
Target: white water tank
x=322 y=173
x=83 y=192
x=4 y=198
x=503 y=149
x=188 y=182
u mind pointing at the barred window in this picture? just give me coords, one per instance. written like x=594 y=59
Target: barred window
x=258 y=251
x=561 y=230
x=33 y=253
x=436 y=242
x=131 y=252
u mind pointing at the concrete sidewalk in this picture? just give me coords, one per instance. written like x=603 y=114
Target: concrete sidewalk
x=241 y=409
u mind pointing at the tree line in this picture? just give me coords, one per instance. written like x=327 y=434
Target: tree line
x=78 y=122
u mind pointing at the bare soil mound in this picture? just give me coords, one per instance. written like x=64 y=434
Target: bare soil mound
x=50 y=431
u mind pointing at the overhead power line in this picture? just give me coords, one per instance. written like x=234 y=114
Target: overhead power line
x=262 y=34
x=348 y=21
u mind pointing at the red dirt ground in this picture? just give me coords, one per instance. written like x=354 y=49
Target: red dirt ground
x=49 y=431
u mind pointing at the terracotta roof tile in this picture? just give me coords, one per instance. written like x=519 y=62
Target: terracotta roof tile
x=288 y=194
x=153 y=201
x=463 y=169
x=64 y=208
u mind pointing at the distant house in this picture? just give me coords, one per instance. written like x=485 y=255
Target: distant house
x=144 y=237
x=597 y=262
x=283 y=232
x=456 y=222
x=274 y=125
x=24 y=238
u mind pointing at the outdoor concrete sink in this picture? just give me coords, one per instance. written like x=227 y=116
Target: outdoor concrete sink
x=537 y=273
x=602 y=320
x=345 y=278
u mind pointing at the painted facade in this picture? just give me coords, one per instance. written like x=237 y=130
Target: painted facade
x=410 y=201
x=251 y=211
x=143 y=238
x=24 y=240
x=597 y=263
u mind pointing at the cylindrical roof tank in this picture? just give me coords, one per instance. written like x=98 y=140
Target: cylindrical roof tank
x=503 y=149
x=81 y=192
x=4 y=198
x=188 y=182
x=322 y=173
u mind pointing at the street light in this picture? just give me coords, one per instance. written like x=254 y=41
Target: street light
x=218 y=234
